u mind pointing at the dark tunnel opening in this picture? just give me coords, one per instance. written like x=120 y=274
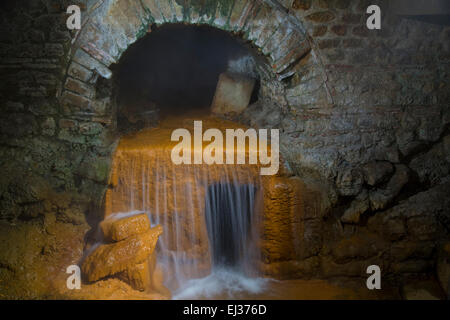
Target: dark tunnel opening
x=176 y=67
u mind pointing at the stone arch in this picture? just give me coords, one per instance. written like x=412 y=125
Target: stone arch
x=111 y=26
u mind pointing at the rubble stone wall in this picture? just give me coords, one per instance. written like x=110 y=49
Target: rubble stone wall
x=364 y=118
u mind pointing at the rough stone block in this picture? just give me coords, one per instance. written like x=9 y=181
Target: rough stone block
x=79 y=87
x=75 y=100
x=79 y=72
x=89 y=62
x=233 y=93
x=295 y=47
x=119 y=229
x=110 y=259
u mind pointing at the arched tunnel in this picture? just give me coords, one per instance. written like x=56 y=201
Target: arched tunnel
x=252 y=149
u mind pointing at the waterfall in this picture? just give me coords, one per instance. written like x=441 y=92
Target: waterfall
x=229 y=216
x=209 y=213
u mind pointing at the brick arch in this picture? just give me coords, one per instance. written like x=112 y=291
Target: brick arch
x=111 y=26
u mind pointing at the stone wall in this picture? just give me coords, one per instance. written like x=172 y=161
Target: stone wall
x=364 y=118
x=382 y=142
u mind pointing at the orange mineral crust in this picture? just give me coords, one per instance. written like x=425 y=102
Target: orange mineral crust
x=119 y=229
x=145 y=179
x=109 y=259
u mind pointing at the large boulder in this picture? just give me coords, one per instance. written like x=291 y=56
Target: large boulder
x=109 y=259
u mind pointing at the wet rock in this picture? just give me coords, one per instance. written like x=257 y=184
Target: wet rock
x=349 y=182
x=109 y=259
x=377 y=171
x=357 y=208
x=115 y=229
x=381 y=197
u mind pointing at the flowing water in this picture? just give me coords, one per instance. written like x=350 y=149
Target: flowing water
x=210 y=214
x=212 y=220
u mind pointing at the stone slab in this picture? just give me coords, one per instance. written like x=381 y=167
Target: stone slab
x=233 y=93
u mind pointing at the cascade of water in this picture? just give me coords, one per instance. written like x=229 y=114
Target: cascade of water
x=207 y=212
x=229 y=214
